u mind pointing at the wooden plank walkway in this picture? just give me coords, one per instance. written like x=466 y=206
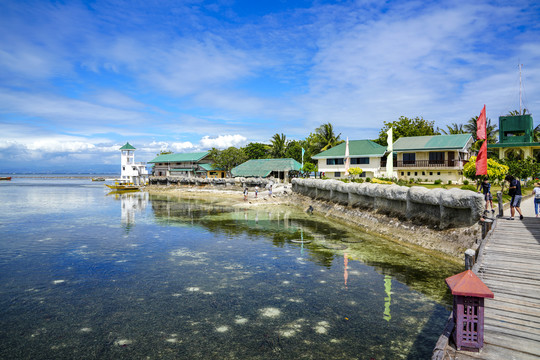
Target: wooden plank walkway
x=510 y=267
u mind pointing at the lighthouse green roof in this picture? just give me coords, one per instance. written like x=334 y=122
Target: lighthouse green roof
x=128 y=146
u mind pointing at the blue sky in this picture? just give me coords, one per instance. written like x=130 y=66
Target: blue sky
x=78 y=79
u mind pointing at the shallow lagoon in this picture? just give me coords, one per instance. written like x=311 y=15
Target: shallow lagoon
x=86 y=275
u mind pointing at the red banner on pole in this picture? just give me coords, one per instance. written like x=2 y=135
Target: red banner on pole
x=481 y=160
x=481 y=133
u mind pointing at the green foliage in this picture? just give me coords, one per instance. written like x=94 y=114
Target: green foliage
x=468 y=187
x=164 y=152
x=437 y=182
x=309 y=167
x=449 y=182
x=325 y=138
x=256 y=151
x=454 y=129
x=355 y=172
x=522 y=169
x=491 y=131
x=495 y=171
x=465 y=182
x=279 y=146
x=294 y=150
x=406 y=127
x=228 y=158
x=368 y=179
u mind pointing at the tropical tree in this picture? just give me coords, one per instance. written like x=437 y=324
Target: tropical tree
x=355 y=171
x=495 y=171
x=294 y=150
x=309 y=168
x=453 y=129
x=491 y=131
x=164 y=152
x=256 y=150
x=406 y=127
x=325 y=138
x=517 y=112
x=228 y=158
x=523 y=168
x=279 y=145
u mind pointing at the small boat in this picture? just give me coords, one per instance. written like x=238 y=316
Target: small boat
x=6 y=178
x=123 y=187
x=98 y=179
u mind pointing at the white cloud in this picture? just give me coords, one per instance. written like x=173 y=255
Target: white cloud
x=223 y=141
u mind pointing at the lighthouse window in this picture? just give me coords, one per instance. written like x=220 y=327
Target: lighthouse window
x=134 y=168
x=123 y=168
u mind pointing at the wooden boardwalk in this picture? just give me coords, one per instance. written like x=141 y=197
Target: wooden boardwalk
x=510 y=267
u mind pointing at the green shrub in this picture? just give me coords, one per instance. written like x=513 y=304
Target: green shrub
x=468 y=187
x=368 y=179
x=449 y=182
x=465 y=182
x=437 y=182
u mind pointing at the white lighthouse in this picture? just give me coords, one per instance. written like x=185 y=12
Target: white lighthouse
x=132 y=172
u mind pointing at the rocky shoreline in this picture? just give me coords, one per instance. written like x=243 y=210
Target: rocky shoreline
x=448 y=243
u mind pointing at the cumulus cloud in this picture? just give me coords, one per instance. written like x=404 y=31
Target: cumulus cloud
x=223 y=141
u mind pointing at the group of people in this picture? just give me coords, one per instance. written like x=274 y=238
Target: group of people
x=514 y=190
x=246 y=192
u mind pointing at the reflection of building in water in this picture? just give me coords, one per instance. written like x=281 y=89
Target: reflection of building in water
x=387 y=299
x=130 y=204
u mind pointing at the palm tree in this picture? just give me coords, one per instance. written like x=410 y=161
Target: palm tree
x=491 y=130
x=518 y=113
x=325 y=138
x=279 y=145
x=454 y=129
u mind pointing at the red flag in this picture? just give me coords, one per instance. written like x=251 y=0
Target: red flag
x=481 y=125
x=481 y=160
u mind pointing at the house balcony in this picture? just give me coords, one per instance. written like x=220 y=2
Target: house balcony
x=439 y=164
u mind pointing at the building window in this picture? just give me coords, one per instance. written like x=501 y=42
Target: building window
x=408 y=173
x=363 y=174
x=436 y=157
x=123 y=168
x=359 y=161
x=415 y=173
x=337 y=174
x=409 y=158
x=423 y=173
x=430 y=173
x=438 y=173
x=402 y=173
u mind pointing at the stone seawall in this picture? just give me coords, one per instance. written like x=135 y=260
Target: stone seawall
x=195 y=181
x=436 y=207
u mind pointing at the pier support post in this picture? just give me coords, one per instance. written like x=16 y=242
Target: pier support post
x=500 y=203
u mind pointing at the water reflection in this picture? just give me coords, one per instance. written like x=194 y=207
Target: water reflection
x=131 y=203
x=387 y=300
x=321 y=239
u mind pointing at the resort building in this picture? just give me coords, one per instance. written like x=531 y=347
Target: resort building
x=364 y=154
x=430 y=158
x=132 y=172
x=516 y=138
x=186 y=165
x=277 y=168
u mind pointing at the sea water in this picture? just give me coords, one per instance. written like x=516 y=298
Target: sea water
x=85 y=274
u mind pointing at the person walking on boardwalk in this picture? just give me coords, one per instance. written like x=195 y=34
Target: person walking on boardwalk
x=536 y=193
x=485 y=187
x=515 y=192
x=245 y=194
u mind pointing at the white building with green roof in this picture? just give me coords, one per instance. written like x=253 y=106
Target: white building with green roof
x=277 y=168
x=364 y=154
x=132 y=172
x=430 y=158
x=195 y=164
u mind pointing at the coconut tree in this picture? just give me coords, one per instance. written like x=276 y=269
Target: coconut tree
x=279 y=146
x=454 y=129
x=325 y=138
x=491 y=131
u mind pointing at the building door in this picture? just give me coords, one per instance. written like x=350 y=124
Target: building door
x=451 y=158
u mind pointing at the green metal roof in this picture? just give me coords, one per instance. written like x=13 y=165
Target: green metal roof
x=357 y=148
x=128 y=146
x=432 y=142
x=180 y=157
x=263 y=167
x=209 y=167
